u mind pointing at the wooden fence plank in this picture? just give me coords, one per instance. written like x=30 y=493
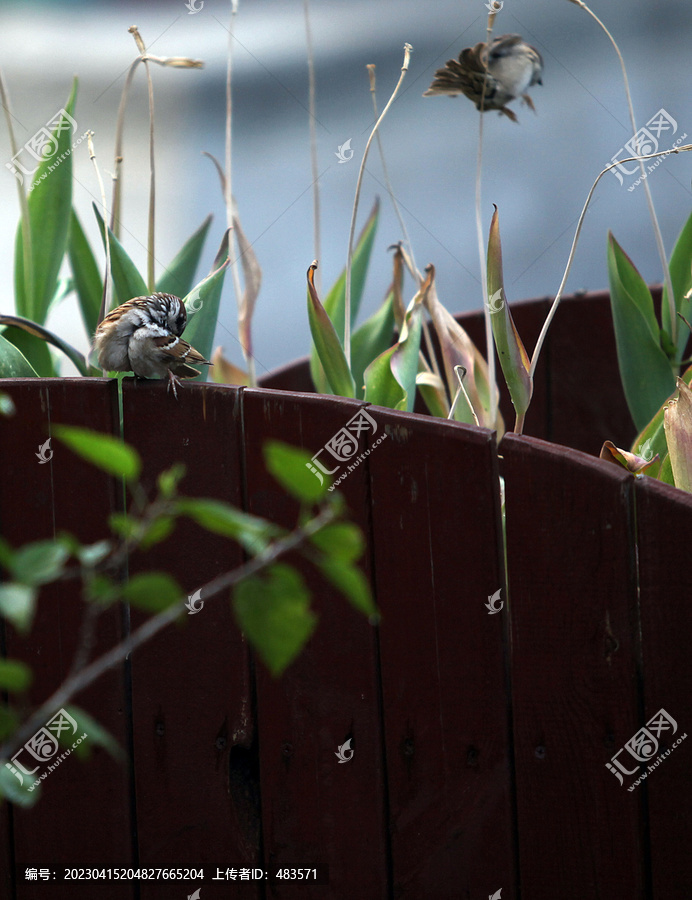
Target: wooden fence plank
x=572 y=592
x=193 y=730
x=37 y=501
x=664 y=525
x=438 y=560
x=316 y=810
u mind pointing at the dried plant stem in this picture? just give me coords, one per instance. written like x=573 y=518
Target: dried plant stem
x=228 y=183
x=410 y=259
x=349 y=261
x=558 y=296
x=650 y=203
x=117 y=165
x=27 y=248
x=313 y=147
x=87 y=675
x=151 y=276
x=489 y=342
x=106 y=280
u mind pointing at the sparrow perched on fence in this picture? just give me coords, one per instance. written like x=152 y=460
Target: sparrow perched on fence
x=143 y=336
x=508 y=67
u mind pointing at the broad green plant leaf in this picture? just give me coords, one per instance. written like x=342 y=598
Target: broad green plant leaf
x=88 y=284
x=677 y=421
x=102 y=450
x=510 y=349
x=15 y=676
x=202 y=305
x=251 y=532
x=292 y=468
x=390 y=379
x=652 y=439
x=127 y=281
x=335 y=301
x=645 y=370
x=152 y=591
x=43 y=334
x=40 y=562
x=681 y=278
x=34 y=350
x=179 y=277
x=328 y=344
x=16 y=792
x=273 y=611
x=18 y=605
x=13 y=363
x=50 y=204
x=97 y=736
x=372 y=338
x=352 y=583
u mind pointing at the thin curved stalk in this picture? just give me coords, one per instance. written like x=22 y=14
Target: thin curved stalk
x=106 y=278
x=649 y=200
x=313 y=146
x=347 y=324
x=558 y=296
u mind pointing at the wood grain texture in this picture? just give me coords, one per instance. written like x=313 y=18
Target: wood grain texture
x=573 y=606
x=315 y=809
x=437 y=560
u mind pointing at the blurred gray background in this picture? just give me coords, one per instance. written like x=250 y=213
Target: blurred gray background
x=538 y=172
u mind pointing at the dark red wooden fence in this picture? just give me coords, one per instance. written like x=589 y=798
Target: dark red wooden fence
x=481 y=741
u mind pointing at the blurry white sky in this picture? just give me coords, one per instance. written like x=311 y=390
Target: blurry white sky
x=538 y=172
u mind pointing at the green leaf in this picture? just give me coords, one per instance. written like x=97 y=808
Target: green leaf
x=677 y=420
x=513 y=357
x=328 y=344
x=97 y=736
x=18 y=605
x=159 y=530
x=14 y=791
x=88 y=283
x=123 y=525
x=127 y=281
x=335 y=301
x=50 y=204
x=340 y=540
x=372 y=338
x=293 y=469
x=102 y=450
x=178 y=278
x=681 y=278
x=90 y=555
x=273 y=611
x=7 y=407
x=169 y=480
x=15 y=676
x=40 y=562
x=33 y=349
x=390 y=380
x=13 y=363
x=152 y=591
x=251 y=532
x=645 y=370
x=352 y=583
x=202 y=304
x=47 y=337
x=665 y=473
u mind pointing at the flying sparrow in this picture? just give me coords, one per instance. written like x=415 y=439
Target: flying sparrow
x=143 y=336
x=508 y=67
